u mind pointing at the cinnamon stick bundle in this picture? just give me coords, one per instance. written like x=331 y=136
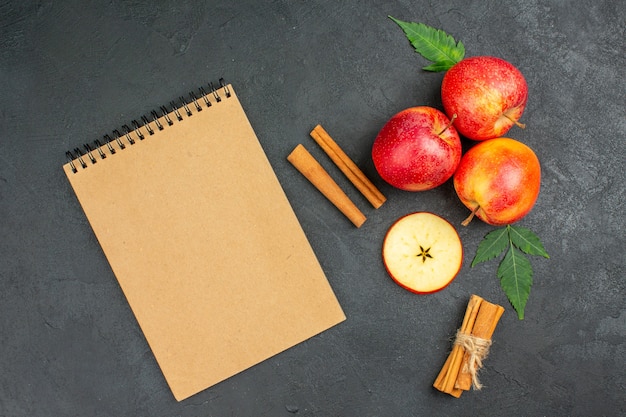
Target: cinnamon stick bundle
x=460 y=371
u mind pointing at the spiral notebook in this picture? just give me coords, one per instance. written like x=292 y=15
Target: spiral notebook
x=202 y=239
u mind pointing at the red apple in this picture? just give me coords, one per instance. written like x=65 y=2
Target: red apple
x=422 y=252
x=487 y=94
x=498 y=180
x=417 y=149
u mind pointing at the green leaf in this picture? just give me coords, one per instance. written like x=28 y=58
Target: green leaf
x=492 y=245
x=527 y=241
x=516 y=278
x=515 y=271
x=435 y=45
x=439 y=66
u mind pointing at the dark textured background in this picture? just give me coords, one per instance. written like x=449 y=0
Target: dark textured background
x=71 y=71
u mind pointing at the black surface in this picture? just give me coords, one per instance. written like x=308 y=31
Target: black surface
x=73 y=71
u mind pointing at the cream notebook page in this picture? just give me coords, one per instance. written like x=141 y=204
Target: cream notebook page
x=204 y=244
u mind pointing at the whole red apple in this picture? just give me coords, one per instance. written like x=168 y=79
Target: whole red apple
x=498 y=180
x=417 y=149
x=487 y=94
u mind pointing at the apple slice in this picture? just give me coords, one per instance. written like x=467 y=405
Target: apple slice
x=422 y=252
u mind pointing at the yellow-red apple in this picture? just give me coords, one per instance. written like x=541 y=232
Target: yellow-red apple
x=422 y=252
x=417 y=149
x=487 y=94
x=498 y=180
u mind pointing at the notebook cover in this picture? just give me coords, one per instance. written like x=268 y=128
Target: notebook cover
x=205 y=246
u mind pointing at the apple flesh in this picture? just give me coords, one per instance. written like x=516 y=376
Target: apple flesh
x=417 y=149
x=498 y=180
x=422 y=252
x=487 y=94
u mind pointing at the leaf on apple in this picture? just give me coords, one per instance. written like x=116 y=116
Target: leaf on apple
x=433 y=44
x=514 y=271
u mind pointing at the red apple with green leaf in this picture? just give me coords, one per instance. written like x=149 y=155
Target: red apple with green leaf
x=498 y=180
x=488 y=95
x=417 y=149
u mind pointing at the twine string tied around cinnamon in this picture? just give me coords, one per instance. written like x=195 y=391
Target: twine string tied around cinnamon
x=477 y=348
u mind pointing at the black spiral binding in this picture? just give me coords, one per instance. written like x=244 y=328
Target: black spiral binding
x=89 y=153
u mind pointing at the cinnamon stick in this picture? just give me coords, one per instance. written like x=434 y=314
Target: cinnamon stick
x=348 y=167
x=485 y=325
x=447 y=376
x=306 y=164
x=472 y=342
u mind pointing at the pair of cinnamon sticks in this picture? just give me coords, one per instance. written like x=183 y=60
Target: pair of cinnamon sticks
x=473 y=339
x=306 y=164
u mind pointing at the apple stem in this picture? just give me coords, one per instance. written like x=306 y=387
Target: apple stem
x=518 y=124
x=448 y=125
x=470 y=217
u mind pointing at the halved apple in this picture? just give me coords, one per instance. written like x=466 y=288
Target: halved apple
x=422 y=252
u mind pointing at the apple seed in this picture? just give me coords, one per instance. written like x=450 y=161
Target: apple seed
x=424 y=254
